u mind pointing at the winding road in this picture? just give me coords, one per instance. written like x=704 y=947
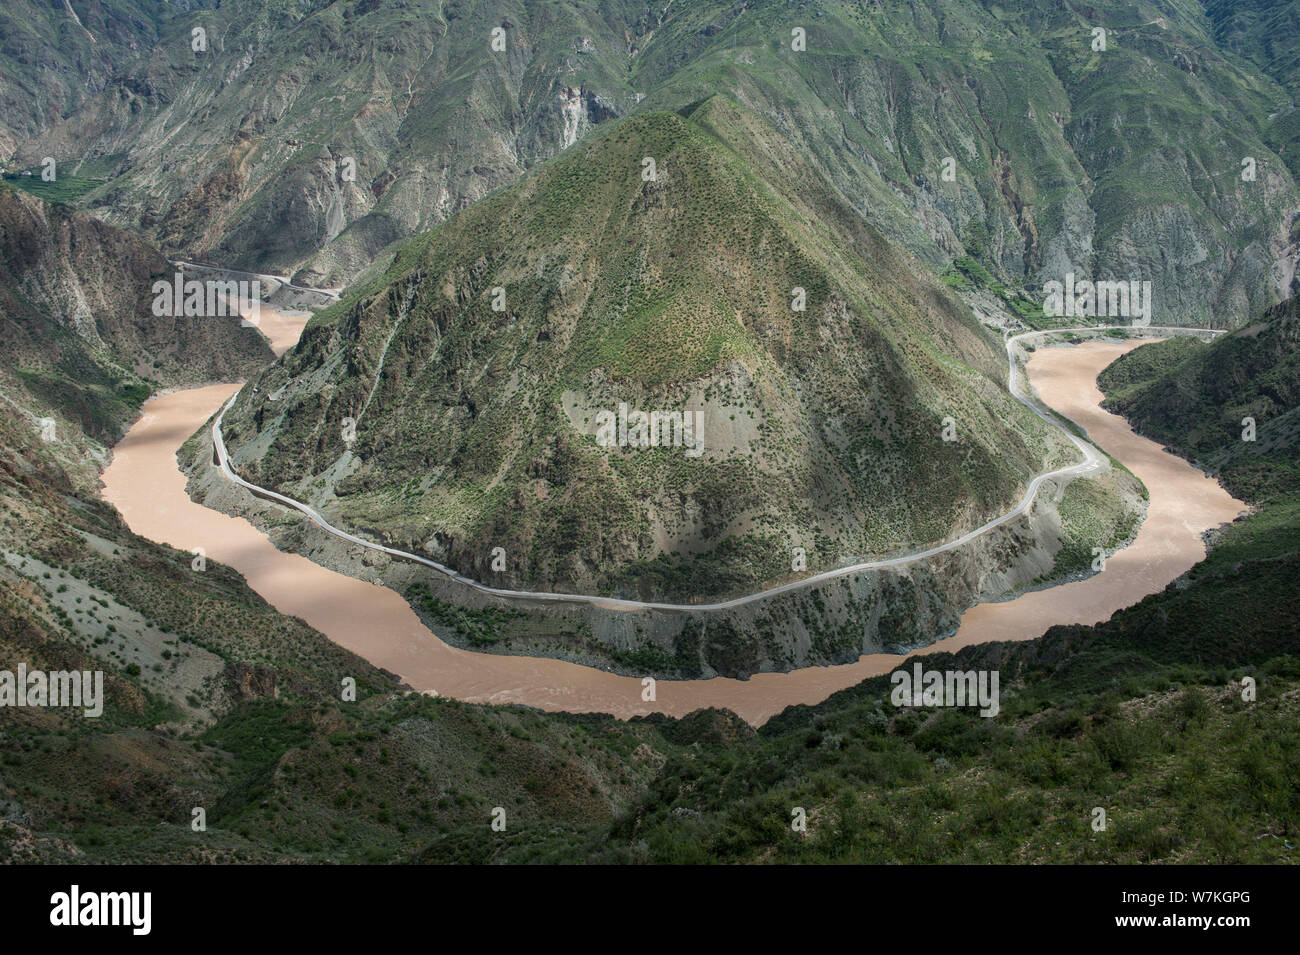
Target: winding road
x=282 y=279
x=145 y=484
x=1092 y=460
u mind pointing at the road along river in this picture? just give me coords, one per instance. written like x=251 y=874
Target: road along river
x=145 y=484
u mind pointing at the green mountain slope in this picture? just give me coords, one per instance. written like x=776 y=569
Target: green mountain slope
x=1142 y=716
x=1145 y=716
x=1198 y=401
x=57 y=57
x=1198 y=398
x=821 y=428
x=80 y=340
x=215 y=701
x=1264 y=32
x=1116 y=163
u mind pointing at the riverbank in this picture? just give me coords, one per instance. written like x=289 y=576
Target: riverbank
x=145 y=484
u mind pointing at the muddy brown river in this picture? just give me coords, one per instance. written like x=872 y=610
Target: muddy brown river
x=145 y=484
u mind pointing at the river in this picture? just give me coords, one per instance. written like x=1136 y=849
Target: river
x=145 y=484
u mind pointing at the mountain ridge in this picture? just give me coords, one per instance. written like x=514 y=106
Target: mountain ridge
x=1119 y=162
x=634 y=331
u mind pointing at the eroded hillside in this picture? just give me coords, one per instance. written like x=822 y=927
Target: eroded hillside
x=845 y=404
x=309 y=137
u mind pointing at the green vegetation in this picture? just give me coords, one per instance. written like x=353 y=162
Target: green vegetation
x=656 y=291
x=1203 y=398
x=881 y=98
x=64 y=189
x=478 y=429
x=967 y=272
x=1142 y=716
x=1093 y=515
x=884 y=785
x=479 y=627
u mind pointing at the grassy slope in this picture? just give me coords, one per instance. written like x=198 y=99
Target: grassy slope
x=623 y=290
x=1142 y=716
x=1187 y=772
x=1263 y=32
x=883 y=93
x=215 y=700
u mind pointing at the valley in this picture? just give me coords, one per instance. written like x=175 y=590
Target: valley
x=144 y=484
x=690 y=432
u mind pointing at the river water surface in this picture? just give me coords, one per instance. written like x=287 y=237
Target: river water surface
x=145 y=484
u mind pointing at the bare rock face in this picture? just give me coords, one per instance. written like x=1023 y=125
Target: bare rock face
x=250 y=682
x=259 y=153
x=296 y=145
x=88 y=277
x=75 y=308
x=58 y=60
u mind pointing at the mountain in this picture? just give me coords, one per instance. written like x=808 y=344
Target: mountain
x=515 y=273
x=1233 y=406
x=310 y=135
x=77 y=326
x=244 y=719
x=1264 y=32
x=216 y=701
x=178 y=649
x=1094 y=716
x=956 y=128
x=1146 y=713
x=822 y=428
x=55 y=58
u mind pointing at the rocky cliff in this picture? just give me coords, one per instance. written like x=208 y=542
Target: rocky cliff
x=1113 y=142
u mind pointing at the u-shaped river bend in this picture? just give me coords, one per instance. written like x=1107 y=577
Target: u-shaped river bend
x=146 y=485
